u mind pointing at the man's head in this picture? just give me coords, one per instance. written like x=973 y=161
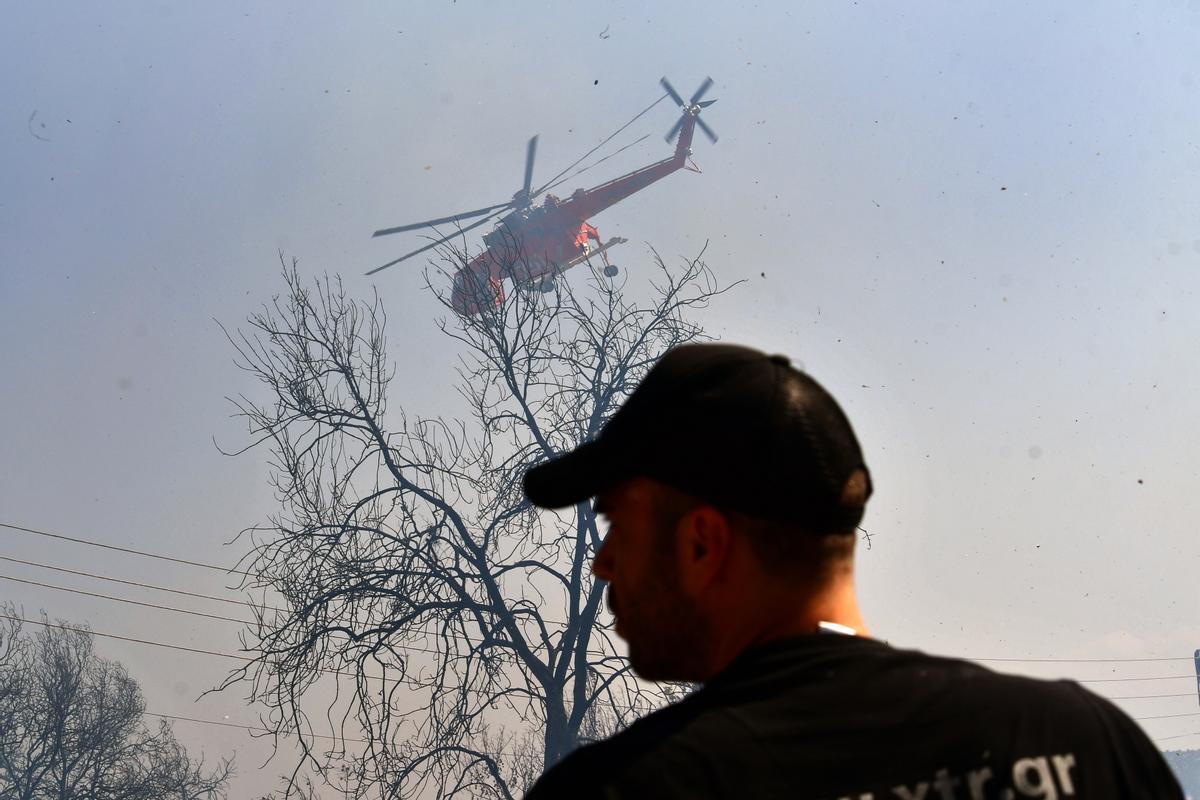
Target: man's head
x=733 y=484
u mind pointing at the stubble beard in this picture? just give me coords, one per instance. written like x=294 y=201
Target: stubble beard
x=668 y=639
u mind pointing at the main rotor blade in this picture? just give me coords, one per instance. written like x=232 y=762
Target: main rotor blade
x=530 y=152
x=407 y=256
x=431 y=245
x=439 y=220
x=708 y=82
x=707 y=130
x=671 y=90
x=671 y=134
x=706 y=103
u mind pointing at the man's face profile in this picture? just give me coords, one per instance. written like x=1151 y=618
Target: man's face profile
x=665 y=630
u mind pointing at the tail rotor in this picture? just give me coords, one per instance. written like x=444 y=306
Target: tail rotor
x=691 y=108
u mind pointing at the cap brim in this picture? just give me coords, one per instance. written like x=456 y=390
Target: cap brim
x=572 y=478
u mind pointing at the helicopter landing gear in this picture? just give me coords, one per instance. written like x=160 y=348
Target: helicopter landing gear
x=599 y=251
x=610 y=270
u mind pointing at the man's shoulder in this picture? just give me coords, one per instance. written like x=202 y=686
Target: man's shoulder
x=818 y=681
x=954 y=690
x=659 y=750
x=973 y=683
x=861 y=711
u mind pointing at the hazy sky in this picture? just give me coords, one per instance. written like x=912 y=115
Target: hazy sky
x=977 y=224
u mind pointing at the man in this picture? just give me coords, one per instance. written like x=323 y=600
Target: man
x=733 y=485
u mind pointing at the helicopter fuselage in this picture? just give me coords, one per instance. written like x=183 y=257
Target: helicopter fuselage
x=537 y=243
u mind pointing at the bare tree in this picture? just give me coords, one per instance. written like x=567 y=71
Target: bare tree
x=72 y=727
x=451 y=635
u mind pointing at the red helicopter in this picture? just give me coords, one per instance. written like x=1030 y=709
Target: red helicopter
x=532 y=244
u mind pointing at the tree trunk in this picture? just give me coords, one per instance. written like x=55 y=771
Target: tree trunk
x=560 y=739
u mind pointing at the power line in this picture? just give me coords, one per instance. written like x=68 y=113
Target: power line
x=243 y=659
x=169 y=608
x=405 y=648
x=249 y=574
x=412 y=648
x=218 y=654
x=181 y=648
x=1171 y=716
x=135 y=583
x=125 y=600
x=250 y=728
x=1126 y=680
x=91 y=632
x=184 y=611
x=90 y=543
x=339 y=673
x=260 y=730
x=145 y=585
x=152 y=643
x=1081 y=660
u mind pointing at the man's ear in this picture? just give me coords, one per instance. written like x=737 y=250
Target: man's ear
x=703 y=542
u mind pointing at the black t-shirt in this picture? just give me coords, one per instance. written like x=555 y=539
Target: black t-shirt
x=831 y=717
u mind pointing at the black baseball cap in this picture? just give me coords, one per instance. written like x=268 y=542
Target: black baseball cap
x=732 y=426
